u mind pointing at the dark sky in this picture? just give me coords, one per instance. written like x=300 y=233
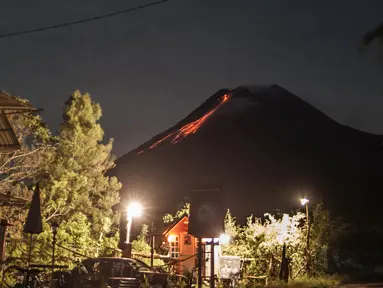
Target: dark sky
x=150 y=68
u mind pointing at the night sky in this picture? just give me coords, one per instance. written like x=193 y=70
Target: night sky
x=150 y=68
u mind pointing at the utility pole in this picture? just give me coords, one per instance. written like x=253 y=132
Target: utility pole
x=199 y=255
x=152 y=243
x=304 y=202
x=308 y=260
x=212 y=260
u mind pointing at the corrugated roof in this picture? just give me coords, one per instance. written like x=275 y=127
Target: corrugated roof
x=8 y=139
x=9 y=105
x=7 y=102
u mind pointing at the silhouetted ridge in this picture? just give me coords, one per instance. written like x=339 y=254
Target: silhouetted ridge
x=264 y=146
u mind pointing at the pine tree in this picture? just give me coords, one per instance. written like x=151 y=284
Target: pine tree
x=141 y=247
x=74 y=183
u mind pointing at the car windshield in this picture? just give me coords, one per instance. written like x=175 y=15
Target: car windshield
x=110 y=267
x=142 y=266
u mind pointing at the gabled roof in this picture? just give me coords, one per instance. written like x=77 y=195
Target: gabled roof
x=174 y=224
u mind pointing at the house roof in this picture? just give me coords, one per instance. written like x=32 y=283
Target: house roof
x=174 y=224
x=8 y=102
x=9 y=105
x=8 y=139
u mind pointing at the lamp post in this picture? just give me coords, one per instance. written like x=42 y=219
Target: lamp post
x=152 y=243
x=134 y=210
x=304 y=202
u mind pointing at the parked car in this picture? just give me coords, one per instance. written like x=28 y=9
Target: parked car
x=115 y=273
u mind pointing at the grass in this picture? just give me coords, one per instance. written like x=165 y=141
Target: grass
x=324 y=282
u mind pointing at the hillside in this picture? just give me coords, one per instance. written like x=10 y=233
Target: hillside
x=264 y=147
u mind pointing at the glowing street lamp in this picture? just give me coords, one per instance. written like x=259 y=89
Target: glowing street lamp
x=134 y=210
x=304 y=201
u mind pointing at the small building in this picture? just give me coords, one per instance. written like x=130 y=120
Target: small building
x=183 y=248
x=8 y=106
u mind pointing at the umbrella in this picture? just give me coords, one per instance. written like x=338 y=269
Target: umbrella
x=34 y=224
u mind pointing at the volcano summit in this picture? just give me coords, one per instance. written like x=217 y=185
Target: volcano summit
x=264 y=148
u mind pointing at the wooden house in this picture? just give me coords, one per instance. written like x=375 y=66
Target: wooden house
x=183 y=248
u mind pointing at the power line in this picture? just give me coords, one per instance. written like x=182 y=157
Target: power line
x=86 y=20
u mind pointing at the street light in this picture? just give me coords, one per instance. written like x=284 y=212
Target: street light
x=134 y=210
x=304 y=201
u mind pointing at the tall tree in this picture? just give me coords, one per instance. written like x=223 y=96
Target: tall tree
x=141 y=247
x=74 y=185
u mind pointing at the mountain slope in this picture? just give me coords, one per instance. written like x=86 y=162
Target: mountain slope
x=264 y=147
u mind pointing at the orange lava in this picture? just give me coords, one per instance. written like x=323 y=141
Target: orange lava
x=162 y=140
x=190 y=128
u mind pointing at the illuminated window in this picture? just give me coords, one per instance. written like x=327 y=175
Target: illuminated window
x=175 y=248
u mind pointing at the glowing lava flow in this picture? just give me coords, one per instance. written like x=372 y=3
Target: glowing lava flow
x=190 y=128
x=162 y=140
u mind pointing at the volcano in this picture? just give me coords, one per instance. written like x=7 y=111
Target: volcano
x=264 y=148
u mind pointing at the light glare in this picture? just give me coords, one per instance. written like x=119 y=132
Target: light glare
x=304 y=201
x=224 y=239
x=134 y=209
x=171 y=238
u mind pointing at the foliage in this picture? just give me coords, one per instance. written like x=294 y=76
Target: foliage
x=74 y=181
x=141 y=246
x=18 y=170
x=75 y=191
x=261 y=242
x=321 y=282
x=184 y=210
x=23 y=164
